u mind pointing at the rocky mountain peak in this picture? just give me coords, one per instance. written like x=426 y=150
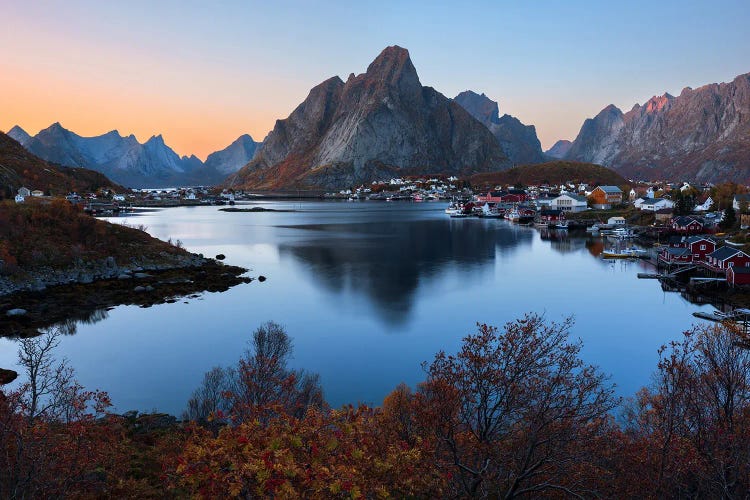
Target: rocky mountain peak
x=479 y=106
x=378 y=124
x=658 y=103
x=393 y=67
x=559 y=149
x=519 y=142
x=19 y=134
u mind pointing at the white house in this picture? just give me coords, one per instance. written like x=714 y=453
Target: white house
x=37 y=192
x=706 y=205
x=569 y=203
x=24 y=191
x=616 y=221
x=118 y=197
x=739 y=199
x=653 y=204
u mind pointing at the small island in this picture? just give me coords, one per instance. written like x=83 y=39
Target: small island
x=253 y=209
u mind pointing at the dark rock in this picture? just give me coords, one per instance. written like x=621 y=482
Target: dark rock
x=261 y=278
x=221 y=256
x=7 y=376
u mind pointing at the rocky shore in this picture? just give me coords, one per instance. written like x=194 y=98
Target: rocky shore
x=84 y=273
x=85 y=292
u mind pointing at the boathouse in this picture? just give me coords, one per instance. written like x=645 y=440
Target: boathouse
x=738 y=276
x=700 y=247
x=548 y=215
x=719 y=260
x=675 y=255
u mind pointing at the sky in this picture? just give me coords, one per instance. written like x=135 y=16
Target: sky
x=203 y=73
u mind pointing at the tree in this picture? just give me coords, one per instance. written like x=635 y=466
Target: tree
x=54 y=438
x=511 y=410
x=693 y=424
x=730 y=218
x=262 y=380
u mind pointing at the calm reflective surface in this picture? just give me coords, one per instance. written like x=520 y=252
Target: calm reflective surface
x=368 y=291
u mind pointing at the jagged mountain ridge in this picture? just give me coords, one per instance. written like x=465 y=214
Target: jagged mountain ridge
x=128 y=162
x=518 y=141
x=559 y=149
x=19 y=168
x=377 y=124
x=701 y=135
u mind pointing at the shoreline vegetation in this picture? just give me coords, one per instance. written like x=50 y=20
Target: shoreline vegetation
x=550 y=426
x=58 y=264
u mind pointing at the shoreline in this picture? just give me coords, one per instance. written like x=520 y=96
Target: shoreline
x=26 y=310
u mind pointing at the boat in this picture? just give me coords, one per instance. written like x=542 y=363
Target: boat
x=490 y=212
x=712 y=316
x=626 y=253
x=559 y=225
x=620 y=232
x=417 y=197
x=459 y=215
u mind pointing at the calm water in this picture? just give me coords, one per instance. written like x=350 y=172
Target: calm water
x=368 y=291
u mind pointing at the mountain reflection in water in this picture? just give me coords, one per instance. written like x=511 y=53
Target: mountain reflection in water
x=386 y=261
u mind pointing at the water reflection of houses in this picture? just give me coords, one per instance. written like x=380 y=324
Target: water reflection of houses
x=388 y=261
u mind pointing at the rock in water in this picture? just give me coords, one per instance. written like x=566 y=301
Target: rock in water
x=376 y=125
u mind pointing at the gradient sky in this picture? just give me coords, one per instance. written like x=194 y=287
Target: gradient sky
x=202 y=73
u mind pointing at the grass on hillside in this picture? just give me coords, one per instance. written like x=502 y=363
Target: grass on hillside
x=57 y=234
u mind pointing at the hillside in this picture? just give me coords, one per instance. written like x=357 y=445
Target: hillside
x=19 y=168
x=376 y=125
x=553 y=172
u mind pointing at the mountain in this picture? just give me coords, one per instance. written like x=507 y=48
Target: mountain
x=552 y=173
x=123 y=159
x=232 y=158
x=128 y=162
x=19 y=135
x=701 y=135
x=20 y=168
x=559 y=149
x=518 y=141
x=379 y=124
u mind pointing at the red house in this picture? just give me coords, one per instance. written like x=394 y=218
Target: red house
x=547 y=215
x=738 y=276
x=700 y=247
x=687 y=224
x=725 y=257
x=675 y=255
x=491 y=197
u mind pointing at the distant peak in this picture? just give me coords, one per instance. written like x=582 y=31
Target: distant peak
x=479 y=106
x=156 y=139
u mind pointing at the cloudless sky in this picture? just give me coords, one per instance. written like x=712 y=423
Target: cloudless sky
x=202 y=73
